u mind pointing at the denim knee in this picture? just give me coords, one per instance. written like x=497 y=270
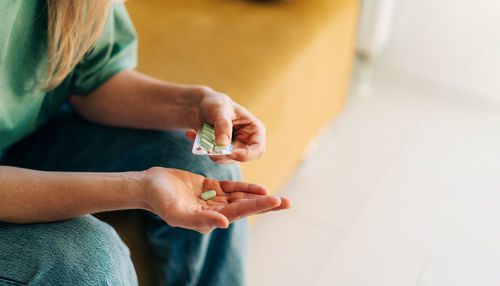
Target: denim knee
x=79 y=251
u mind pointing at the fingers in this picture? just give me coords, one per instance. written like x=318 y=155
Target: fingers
x=225 y=115
x=249 y=207
x=203 y=221
x=240 y=196
x=222 y=160
x=285 y=204
x=250 y=142
x=244 y=152
x=234 y=186
x=218 y=109
x=191 y=134
x=249 y=153
x=223 y=128
x=239 y=155
x=211 y=219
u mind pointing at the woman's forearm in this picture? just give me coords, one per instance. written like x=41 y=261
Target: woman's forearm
x=28 y=196
x=132 y=99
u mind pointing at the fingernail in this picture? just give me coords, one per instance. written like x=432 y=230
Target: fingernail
x=221 y=224
x=224 y=140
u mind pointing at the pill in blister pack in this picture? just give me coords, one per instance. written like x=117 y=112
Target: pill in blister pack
x=204 y=143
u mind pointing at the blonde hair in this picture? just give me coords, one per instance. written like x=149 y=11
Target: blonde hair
x=74 y=27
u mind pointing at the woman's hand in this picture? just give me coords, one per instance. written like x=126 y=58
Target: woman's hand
x=233 y=123
x=174 y=195
x=131 y=99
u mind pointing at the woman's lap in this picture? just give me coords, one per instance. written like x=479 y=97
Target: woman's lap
x=70 y=143
x=79 y=251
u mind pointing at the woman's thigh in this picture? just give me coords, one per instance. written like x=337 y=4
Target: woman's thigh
x=79 y=251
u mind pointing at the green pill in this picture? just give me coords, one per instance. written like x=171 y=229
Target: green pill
x=208 y=195
x=208 y=134
x=205 y=143
x=208 y=127
x=207 y=137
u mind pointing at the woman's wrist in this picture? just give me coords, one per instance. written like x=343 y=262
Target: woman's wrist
x=133 y=184
x=190 y=98
x=131 y=99
x=179 y=104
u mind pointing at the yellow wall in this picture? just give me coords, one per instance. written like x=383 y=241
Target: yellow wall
x=289 y=63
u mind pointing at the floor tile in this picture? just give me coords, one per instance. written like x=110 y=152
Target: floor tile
x=402 y=189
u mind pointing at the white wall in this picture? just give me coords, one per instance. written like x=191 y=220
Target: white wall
x=374 y=27
x=453 y=42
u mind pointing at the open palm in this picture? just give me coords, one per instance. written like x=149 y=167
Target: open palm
x=174 y=195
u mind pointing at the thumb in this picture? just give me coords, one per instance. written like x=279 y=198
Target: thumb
x=223 y=128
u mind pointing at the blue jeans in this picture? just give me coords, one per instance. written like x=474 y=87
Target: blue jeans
x=87 y=251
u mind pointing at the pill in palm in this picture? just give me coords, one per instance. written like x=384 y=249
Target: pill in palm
x=208 y=195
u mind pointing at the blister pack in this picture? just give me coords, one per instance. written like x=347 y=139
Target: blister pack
x=204 y=143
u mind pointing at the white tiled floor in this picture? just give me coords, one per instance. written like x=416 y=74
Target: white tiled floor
x=404 y=189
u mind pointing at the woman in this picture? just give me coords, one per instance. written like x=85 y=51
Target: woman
x=118 y=145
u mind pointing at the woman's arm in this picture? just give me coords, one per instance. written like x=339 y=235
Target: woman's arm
x=28 y=196
x=34 y=196
x=131 y=99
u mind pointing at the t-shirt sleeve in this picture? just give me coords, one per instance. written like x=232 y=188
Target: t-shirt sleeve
x=116 y=50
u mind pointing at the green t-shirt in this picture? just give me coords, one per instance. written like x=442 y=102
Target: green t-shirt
x=23 y=62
